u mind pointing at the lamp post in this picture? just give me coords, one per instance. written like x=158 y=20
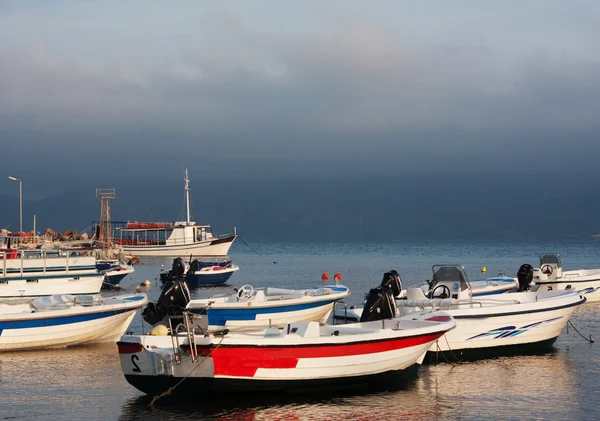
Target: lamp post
x=20 y=206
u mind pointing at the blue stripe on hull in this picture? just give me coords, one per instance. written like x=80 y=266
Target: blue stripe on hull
x=212 y=279
x=41 y=276
x=219 y=317
x=61 y=320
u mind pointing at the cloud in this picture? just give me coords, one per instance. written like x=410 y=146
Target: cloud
x=228 y=75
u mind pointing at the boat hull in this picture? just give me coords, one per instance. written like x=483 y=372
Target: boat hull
x=201 y=279
x=290 y=360
x=590 y=288
x=59 y=329
x=155 y=385
x=50 y=285
x=212 y=248
x=483 y=332
x=257 y=315
x=114 y=277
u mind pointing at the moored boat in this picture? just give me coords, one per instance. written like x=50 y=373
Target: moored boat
x=201 y=272
x=114 y=271
x=301 y=356
x=26 y=273
x=58 y=321
x=485 y=326
x=173 y=239
x=248 y=308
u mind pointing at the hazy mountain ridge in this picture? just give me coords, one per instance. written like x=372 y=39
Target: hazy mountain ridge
x=338 y=209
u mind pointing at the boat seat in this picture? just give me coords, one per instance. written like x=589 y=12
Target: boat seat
x=414 y=294
x=259 y=295
x=53 y=301
x=87 y=299
x=439 y=303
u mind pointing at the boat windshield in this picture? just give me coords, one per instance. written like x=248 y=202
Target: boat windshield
x=550 y=259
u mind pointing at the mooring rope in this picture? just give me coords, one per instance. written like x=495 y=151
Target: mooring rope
x=248 y=245
x=172 y=388
x=590 y=340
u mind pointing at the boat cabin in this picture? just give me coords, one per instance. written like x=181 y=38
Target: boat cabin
x=163 y=233
x=449 y=281
x=550 y=267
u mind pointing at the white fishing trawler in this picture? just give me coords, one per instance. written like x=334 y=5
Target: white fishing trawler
x=174 y=239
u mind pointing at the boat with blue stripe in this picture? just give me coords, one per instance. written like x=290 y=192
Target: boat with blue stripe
x=58 y=321
x=30 y=273
x=249 y=308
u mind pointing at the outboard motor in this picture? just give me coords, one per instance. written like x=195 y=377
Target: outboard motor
x=381 y=301
x=525 y=276
x=194 y=266
x=173 y=300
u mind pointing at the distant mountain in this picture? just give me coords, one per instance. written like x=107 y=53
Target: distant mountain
x=338 y=209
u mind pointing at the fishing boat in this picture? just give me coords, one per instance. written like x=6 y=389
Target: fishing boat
x=248 y=307
x=114 y=271
x=201 y=272
x=26 y=273
x=486 y=326
x=173 y=239
x=301 y=356
x=64 y=320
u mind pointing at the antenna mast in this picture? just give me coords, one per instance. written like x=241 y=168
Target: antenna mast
x=105 y=234
x=187 y=196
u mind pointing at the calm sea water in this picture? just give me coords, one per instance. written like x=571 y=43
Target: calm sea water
x=87 y=382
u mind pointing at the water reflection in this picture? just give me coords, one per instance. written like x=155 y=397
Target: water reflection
x=508 y=388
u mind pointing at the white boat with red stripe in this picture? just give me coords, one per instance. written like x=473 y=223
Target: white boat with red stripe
x=301 y=356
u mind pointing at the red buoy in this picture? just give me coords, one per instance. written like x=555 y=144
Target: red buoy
x=325 y=277
x=337 y=276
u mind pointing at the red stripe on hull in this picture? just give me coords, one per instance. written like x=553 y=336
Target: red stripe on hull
x=129 y=348
x=245 y=360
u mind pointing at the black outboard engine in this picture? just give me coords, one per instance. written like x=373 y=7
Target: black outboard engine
x=525 y=276
x=177 y=271
x=381 y=301
x=194 y=266
x=173 y=300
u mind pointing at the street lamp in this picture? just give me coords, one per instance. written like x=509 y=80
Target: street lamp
x=20 y=206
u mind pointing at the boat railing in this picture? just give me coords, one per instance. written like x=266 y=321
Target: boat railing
x=188 y=326
x=45 y=257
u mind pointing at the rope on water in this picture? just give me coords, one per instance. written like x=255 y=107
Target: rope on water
x=170 y=390
x=242 y=240
x=590 y=340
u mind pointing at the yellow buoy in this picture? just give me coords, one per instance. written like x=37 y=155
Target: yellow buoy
x=159 y=330
x=483 y=269
x=146 y=283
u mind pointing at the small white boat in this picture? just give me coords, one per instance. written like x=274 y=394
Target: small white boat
x=28 y=273
x=248 y=308
x=551 y=276
x=485 y=326
x=173 y=239
x=302 y=355
x=63 y=320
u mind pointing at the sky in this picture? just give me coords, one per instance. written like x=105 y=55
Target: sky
x=126 y=94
